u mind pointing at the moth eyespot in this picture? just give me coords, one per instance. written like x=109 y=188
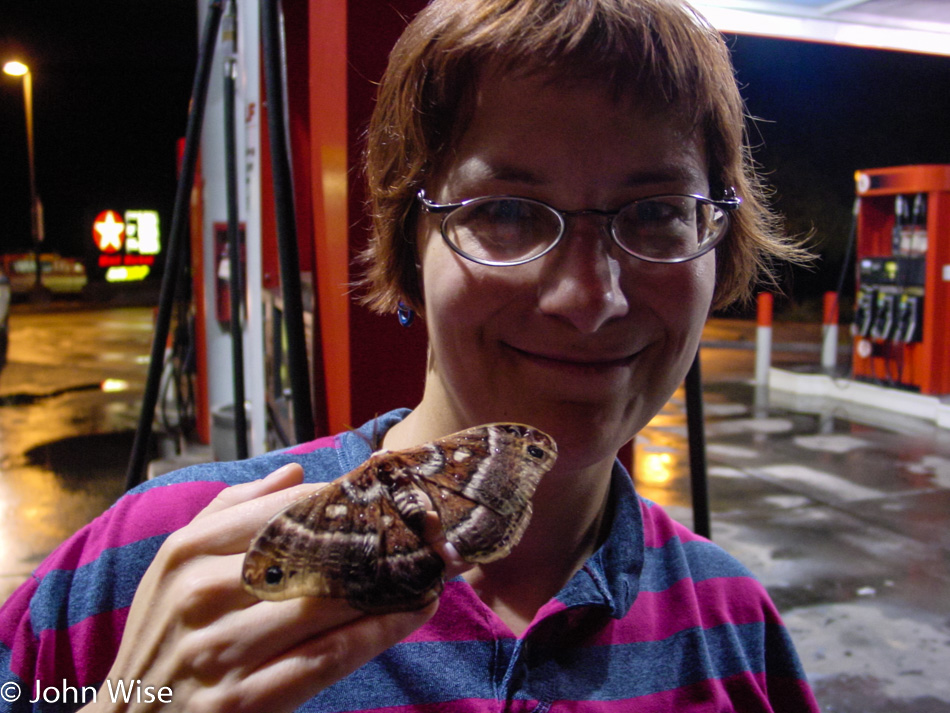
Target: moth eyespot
x=273 y=575
x=535 y=452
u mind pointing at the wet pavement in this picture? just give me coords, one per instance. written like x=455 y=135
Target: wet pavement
x=845 y=520
x=842 y=513
x=69 y=400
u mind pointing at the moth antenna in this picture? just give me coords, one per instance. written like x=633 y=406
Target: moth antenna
x=373 y=441
x=376 y=439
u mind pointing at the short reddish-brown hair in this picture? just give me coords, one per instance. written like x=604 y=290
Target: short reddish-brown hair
x=661 y=51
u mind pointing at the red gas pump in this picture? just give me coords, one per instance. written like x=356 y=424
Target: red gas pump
x=902 y=307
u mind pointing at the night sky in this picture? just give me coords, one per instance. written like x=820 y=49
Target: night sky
x=112 y=80
x=826 y=111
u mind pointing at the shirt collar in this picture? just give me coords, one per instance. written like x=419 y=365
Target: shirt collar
x=611 y=576
x=358 y=445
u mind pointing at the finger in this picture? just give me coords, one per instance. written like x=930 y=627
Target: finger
x=227 y=525
x=231 y=629
x=434 y=536
x=280 y=479
x=297 y=675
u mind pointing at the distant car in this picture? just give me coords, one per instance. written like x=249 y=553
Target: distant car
x=59 y=275
x=4 y=316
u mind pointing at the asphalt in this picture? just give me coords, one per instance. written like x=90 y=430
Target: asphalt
x=842 y=512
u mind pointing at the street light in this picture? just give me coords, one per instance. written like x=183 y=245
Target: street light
x=18 y=69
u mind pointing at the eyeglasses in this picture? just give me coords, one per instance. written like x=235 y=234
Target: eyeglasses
x=508 y=230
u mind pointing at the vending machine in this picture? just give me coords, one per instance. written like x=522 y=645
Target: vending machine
x=902 y=305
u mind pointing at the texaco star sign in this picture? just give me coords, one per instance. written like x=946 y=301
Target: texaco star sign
x=108 y=231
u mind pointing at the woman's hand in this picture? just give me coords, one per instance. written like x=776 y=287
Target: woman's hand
x=194 y=631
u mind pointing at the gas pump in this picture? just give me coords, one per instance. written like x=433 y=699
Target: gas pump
x=902 y=307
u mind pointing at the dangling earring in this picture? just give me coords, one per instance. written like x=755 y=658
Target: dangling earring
x=405 y=314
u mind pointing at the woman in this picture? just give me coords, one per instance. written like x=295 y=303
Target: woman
x=560 y=190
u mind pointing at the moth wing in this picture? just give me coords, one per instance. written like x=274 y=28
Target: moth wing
x=481 y=485
x=346 y=541
x=360 y=540
x=409 y=572
x=315 y=545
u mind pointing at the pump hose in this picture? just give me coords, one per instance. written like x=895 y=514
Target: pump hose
x=176 y=245
x=297 y=366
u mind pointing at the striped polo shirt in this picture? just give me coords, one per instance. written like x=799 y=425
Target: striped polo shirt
x=658 y=619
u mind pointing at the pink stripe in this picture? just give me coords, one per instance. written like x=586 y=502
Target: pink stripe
x=18 y=634
x=554 y=606
x=82 y=653
x=15 y=611
x=787 y=693
x=743 y=692
x=462 y=616
x=656 y=616
x=463 y=705
x=659 y=528
x=168 y=508
x=311 y=446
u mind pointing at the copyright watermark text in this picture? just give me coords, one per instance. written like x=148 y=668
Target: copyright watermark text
x=10 y=691
x=132 y=691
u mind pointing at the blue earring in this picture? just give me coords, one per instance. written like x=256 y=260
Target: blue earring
x=405 y=314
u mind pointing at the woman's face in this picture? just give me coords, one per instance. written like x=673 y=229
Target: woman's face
x=587 y=342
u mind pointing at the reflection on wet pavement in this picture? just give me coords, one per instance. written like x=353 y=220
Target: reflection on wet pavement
x=64 y=439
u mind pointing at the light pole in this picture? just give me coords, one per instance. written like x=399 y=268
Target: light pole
x=18 y=69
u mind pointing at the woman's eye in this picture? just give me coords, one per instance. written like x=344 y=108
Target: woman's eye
x=502 y=211
x=657 y=212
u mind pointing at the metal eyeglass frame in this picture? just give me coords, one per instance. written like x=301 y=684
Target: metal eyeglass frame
x=729 y=203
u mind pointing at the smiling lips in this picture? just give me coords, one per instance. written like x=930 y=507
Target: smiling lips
x=584 y=363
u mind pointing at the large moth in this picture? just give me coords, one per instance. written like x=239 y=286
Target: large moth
x=360 y=537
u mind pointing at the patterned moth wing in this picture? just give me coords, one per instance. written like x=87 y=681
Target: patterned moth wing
x=481 y=484
x=360 y=538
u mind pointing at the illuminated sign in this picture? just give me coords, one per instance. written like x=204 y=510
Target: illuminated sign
x=128 y=245
x=108 y=231
x=141 y=231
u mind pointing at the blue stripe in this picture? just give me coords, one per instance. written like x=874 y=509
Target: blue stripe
x=234 y=473
x=639 y=669
x=554 y=672
x=411 y=673
x=7 y=678
x=698 y=560
x=691 y=656
x=103 y=585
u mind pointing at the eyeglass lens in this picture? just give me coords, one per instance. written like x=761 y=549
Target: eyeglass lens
x=504 y=230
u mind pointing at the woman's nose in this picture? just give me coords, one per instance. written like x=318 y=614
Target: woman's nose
x=581 y=277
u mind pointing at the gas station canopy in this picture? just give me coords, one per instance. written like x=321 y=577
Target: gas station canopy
x=909 y=25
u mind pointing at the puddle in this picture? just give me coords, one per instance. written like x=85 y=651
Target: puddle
x=28 y=399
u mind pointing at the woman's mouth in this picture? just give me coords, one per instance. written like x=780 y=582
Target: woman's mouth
x=578 y=362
